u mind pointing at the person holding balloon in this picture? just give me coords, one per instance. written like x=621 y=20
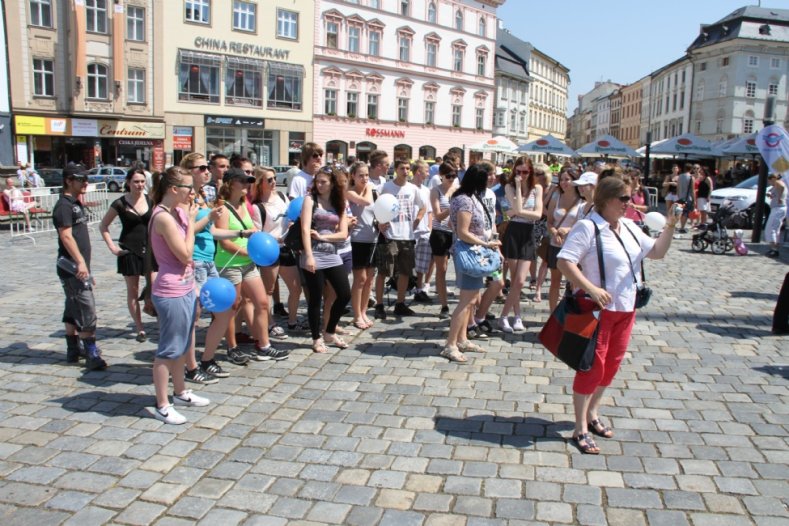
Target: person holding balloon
x=324 y=225
x=363 y=243
x=173 y=291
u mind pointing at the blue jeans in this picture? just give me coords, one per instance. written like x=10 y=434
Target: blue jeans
x=203 y=271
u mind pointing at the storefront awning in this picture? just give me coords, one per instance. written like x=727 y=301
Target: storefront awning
x=197 y=58
x=245 y=63
x=281 y=68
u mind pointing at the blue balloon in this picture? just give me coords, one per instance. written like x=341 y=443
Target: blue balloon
x=217 y=295
x=263 y=249
x=294 y=208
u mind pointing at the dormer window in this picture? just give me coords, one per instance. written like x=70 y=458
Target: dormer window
x=764 y=29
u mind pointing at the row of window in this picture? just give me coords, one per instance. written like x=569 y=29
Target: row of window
x=97 y=81
x=404 y=9
x=245 y=17
x=753 y=61
x=352 y=108
x=750 y=89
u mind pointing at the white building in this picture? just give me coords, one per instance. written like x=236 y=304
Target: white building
x=412 y=77
x=511 y=115
x=737 y=62
x=601 y=117
x=669 y=99
x=548 y=99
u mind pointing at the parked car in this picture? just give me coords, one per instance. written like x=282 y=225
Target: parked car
x=52 y=176
x=283 y=174
x=113 y=176
x=742 y=197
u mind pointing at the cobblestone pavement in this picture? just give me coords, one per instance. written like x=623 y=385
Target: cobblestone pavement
x=386 y=432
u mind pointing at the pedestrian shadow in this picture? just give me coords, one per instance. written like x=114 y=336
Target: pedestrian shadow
x=401 y=349
x=118 y=373
x=775 y=370
x=753 y=295
x=107 y=403
x=733 y=331
x=522 y=432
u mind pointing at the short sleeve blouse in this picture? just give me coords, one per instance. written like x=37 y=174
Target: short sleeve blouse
x=465 y=203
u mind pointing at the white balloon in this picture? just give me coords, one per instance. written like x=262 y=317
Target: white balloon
x=655 y=221
x=386 y=208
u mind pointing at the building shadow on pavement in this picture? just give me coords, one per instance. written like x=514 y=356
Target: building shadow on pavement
x=107 y=403
x=398 y=347
x=734 y=331
x=522 y=432
x=754 y=295
x=775 y=370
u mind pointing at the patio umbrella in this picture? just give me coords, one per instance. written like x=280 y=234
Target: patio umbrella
x=688 y=144
x=643 y=151
x=741 y=146
x=546 y=144
x=498 y=144
x=606 y=146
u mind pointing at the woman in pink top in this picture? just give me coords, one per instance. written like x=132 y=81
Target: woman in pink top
x=173 y=291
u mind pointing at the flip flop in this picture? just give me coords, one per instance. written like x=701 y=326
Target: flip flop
x=453 y=354
x=338 y=342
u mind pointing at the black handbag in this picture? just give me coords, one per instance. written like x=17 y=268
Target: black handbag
x=643 y=293
x=293 y=239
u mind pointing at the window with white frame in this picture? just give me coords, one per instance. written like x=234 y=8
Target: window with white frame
x=479 y=118
x=330 y=101
x=698 y=126
x=285 y=83
x=724 y=62
x=405 y=7
x=244 y=82
x=772 y=89
x=703 y=66
x=459 y=20
x=244 y=15
x=96 y=16
x=747 y=126
x=198 y=77
x=352 y=104
x=41 y=13
x=372 y=106
x=354 y=33
x=402 y=109
x=430 y=111
x=43 y=77
x=457 y=110
x=499 y=118
x=287 y=24
x=431 y=12
x=719 y=125
x=481 y=62
x=374 y=43
x=375 y=4
x=332 y=35
x=483 y=26
x=135 y=23
x=700 y=91
x=198 y=11
x=723 y=86
x=513 y=121
x=775 y=63
x=753 y=60
x=522 y=126
x=135 y=86
x=97 y=81
x=405 y=47
x=431 y=53
x=457 y=54
x=750 y=89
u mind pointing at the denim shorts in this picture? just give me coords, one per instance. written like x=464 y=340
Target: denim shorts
x=466 y=282
x=203 y=271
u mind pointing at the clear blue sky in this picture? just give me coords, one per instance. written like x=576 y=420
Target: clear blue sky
x=620 y=40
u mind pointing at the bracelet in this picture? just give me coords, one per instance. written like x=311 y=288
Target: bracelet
x=241 y=234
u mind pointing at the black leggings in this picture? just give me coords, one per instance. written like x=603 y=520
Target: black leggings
x=338 y=279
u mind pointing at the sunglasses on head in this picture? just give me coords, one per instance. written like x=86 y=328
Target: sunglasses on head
x=201 y=167
x=624 y=198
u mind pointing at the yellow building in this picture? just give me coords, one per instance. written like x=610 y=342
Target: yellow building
x=237 y=78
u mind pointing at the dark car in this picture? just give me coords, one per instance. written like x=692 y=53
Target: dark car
x=52 y=176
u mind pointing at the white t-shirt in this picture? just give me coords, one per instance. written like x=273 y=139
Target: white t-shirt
x=423 y=228
x=378 y=184
x=300 y=185
x=489 y=200
x=580 y=247
x=435 y=180
x=401 y=228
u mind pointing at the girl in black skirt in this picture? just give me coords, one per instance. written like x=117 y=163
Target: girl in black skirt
x=134 y=210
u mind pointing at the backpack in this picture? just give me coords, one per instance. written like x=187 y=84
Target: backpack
x=262 y=209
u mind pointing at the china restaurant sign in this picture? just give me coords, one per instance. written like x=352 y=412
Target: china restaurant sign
x=382 y=132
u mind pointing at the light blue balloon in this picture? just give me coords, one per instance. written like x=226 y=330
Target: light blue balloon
x=294 y=208
x=263 y=249
x=217 y=295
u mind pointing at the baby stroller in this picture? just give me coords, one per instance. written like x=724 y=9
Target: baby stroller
x=715 y=234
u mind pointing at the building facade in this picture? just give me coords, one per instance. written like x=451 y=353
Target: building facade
x=511 y=115
x=411 y=77
x=84 y=87
x=737 y=63
x=630 y=124
x=616 y=113
x=670 y=99
x=6 y=132
x=237 y=78
x=548 y=99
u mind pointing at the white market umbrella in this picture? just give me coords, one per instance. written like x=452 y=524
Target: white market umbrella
x=547 y=144
x=606 y=146
x=643 y=151
x=498 y=144
x=741 y=146
x=688 y=144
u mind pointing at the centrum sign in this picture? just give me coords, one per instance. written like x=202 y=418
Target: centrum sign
x=131 y=129
x=240 y=48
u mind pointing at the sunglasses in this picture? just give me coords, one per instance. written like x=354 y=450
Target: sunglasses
x=522 y=172
x=450 y=176
x=202 y=167
x=184 y=186
x=317 y=155
x=271 y=179
x=624 y=198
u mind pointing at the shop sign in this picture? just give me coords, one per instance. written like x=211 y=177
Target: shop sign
x=240 y=48
x=181 y=142
x=382 y=132
x=157 y=159
x=30 y=125
x=131 y=129
x=57 y=126
x=295 y=146
x=183 y=131
x=84 y=128
x=242 y=122
x=136 y=142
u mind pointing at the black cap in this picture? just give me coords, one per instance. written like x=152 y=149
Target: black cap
x=75 y=171
x=237 y=173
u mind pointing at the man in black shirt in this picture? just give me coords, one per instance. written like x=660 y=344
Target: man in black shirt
x=73 y=268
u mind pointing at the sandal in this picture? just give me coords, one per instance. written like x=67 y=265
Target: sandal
x=453 y=354
x=337 y=342
x=600 y=429
x=586 y=444
x=468 y=346
x=532 y=283
x=319 y=347
x=141 y=336
x=361 y=325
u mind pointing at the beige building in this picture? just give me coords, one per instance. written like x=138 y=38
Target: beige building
x=237 y=78
x=630 y=125
x=82 y=82
x=548 y=96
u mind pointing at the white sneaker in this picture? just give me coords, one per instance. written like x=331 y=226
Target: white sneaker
x=189 y=399
x=504 y=325
x=517 y=324
x=169 y=415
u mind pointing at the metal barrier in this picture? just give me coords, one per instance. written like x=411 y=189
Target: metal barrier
x=653 y=197
x=96 y=201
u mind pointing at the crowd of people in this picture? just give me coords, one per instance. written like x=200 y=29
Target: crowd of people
x=196 y=223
